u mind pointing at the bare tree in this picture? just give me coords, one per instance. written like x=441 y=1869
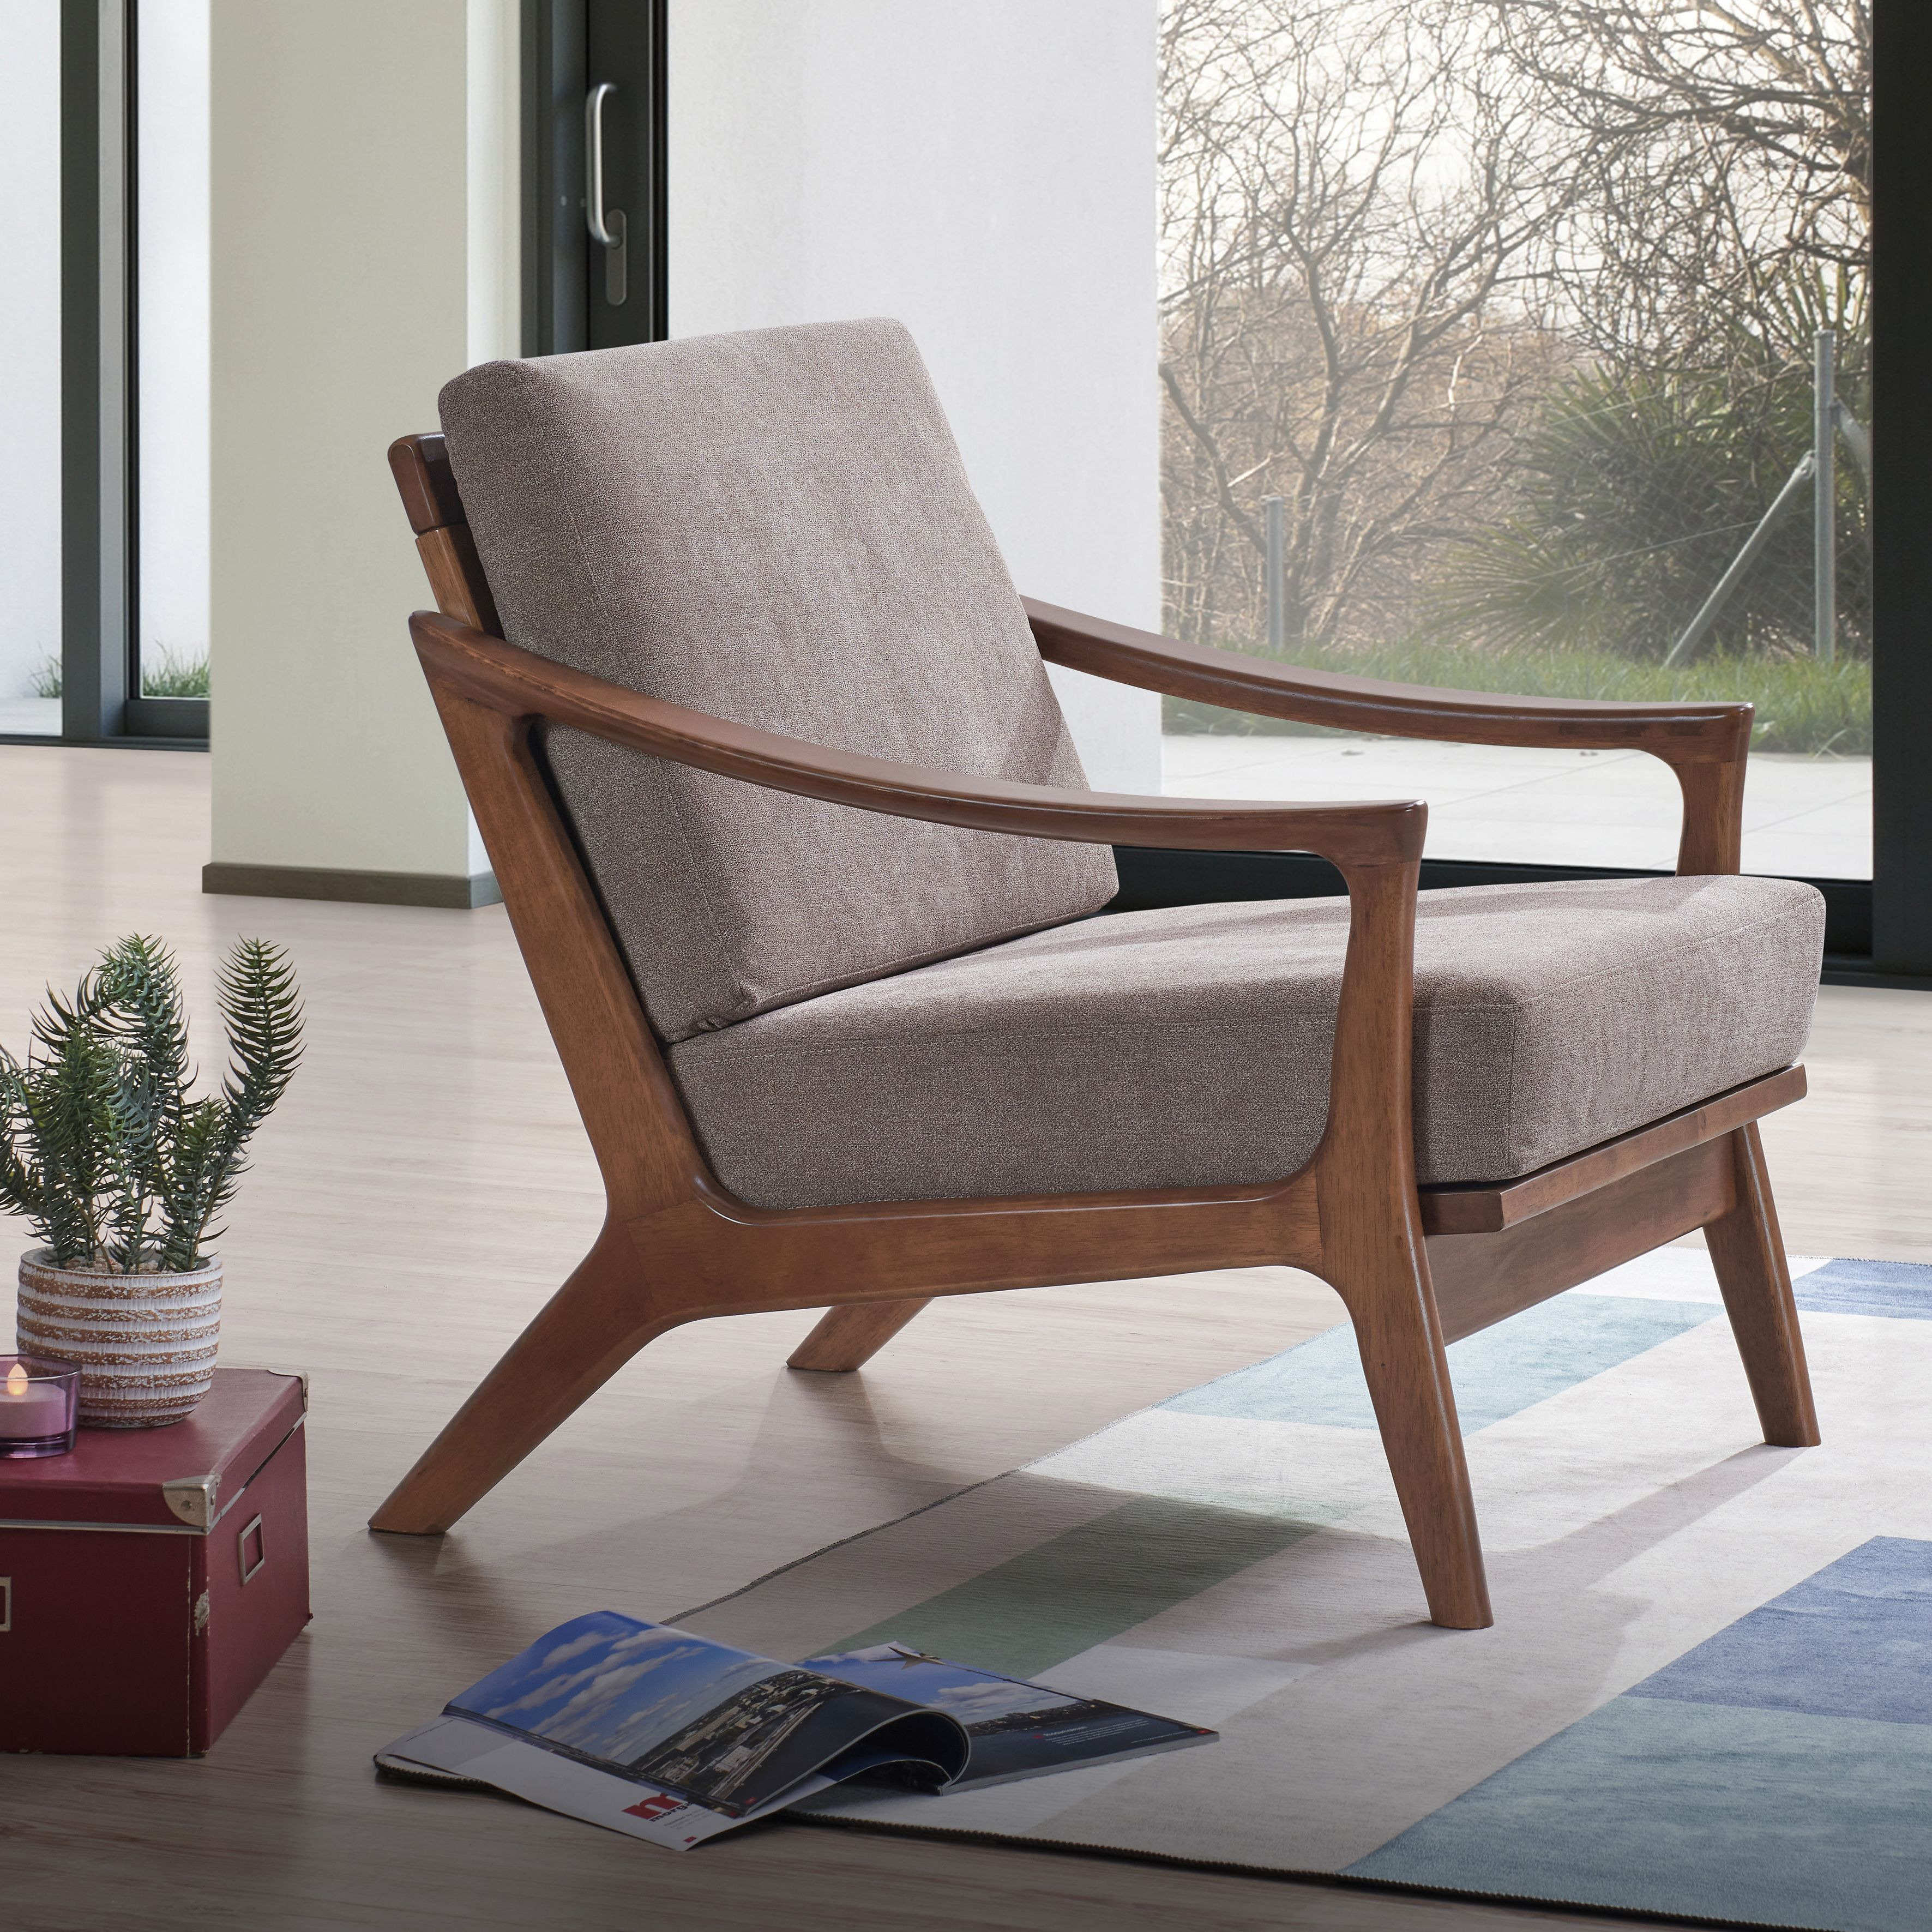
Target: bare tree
x=1723 y=148
x=1349 y=188
x=1394 y=230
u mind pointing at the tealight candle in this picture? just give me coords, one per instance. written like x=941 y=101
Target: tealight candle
x=38 y=1399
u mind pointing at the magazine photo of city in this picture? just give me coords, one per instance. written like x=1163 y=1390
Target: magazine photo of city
x=1017 y=1729
x=731 y=1730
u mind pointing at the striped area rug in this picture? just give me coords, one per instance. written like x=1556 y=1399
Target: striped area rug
x=1708 y=1690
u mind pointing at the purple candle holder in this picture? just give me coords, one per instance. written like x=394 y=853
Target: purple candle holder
x=38 y=1396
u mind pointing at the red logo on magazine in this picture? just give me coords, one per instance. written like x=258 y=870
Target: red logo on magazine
x=660 y=1804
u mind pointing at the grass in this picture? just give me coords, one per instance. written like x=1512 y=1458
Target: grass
x=175 y=676
x=1802 y=705
x=172 y=676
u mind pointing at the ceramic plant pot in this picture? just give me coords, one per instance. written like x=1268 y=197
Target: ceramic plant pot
x=145 y=1343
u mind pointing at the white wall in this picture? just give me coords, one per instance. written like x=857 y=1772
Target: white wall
x=365 y=251
x=985 y=173
x=30 y=425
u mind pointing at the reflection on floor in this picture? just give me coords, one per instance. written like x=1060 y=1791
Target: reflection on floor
x=1807 y=817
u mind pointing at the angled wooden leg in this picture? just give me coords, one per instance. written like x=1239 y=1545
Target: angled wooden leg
x=593 y=1324
x=1373 y=1252
x=1399 y=1334
x=849 y=1337
x=1747 y=1252
x=1401 y=1344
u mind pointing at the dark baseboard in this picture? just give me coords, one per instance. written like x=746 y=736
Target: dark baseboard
x=453 y=889
x=1842 y=969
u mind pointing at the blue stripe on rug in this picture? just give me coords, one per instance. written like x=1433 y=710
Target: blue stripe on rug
x=1902 y=1289
x=1497 y=1373
x=1853 y=1641
x=1772 y=1817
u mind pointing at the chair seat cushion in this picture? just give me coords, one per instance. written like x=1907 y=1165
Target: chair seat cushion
x=1189 y=1046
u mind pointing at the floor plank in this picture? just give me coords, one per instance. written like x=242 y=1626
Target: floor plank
x=424 y=1186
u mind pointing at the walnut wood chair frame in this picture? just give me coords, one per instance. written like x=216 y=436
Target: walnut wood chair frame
x=1415 y=1268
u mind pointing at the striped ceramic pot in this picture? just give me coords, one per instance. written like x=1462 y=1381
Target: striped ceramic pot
x=145 y=1343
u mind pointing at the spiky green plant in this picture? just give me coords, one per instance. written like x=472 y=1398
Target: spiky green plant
x=167 y=673
x=1634 y=490
x=114 y=1162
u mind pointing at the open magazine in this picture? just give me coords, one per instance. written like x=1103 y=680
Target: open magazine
x=647 y=1730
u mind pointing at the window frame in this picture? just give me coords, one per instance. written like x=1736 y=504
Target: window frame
x=101 y=701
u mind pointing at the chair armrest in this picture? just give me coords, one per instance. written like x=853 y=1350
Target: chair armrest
x=486 y=670
x=1705 y=744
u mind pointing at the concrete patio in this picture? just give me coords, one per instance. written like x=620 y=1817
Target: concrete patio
x=1804 y=817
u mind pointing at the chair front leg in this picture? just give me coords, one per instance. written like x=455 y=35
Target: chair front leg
x=1747 y=1252
x=593 y=1324
x=1393 y=1307
x=1373 y=1254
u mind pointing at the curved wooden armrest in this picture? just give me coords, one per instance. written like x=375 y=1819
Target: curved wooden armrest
x=469 y=664
x=1705 y=744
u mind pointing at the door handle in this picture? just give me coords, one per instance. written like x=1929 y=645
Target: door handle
x=606 y=225
x=593 y=163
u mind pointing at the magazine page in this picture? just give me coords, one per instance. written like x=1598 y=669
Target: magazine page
x=459 y=1752
x=698 y=1736
x=1017 y=1729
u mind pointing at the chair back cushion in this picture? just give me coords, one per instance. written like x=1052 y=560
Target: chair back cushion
x=773 y=527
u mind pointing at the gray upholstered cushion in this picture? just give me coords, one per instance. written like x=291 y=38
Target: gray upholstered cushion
x=1190 y=1046
x=773 y=527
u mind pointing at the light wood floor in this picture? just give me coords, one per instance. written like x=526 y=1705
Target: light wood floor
x=424 y=1187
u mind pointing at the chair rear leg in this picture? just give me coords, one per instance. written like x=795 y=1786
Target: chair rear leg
x=1747 y=1252
x=847 y=1338
x=593 y=1324
x=1400 y=1338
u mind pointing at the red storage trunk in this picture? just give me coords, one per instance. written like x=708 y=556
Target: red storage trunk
x=150 y=1579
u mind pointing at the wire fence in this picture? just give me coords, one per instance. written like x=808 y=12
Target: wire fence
x=1623 y=536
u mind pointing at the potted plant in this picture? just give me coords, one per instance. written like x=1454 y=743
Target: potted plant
x=120 y=1173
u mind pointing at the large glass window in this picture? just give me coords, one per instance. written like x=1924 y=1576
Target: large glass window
x=1523 y=345
x=30 y=332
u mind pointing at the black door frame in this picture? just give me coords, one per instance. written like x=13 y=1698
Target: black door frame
x=569 y=46
x=1901 y=885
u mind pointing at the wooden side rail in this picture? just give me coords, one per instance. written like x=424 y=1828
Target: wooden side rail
x=1487 y=1208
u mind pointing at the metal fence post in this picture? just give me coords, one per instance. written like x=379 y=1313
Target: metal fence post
x=1272 y=511
x=1824 y=497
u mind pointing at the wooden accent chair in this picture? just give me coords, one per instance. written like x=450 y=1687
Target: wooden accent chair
x=799 y=857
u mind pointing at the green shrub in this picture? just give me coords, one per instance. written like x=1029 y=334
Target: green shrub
x=1634 y=490
x=174 y=677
